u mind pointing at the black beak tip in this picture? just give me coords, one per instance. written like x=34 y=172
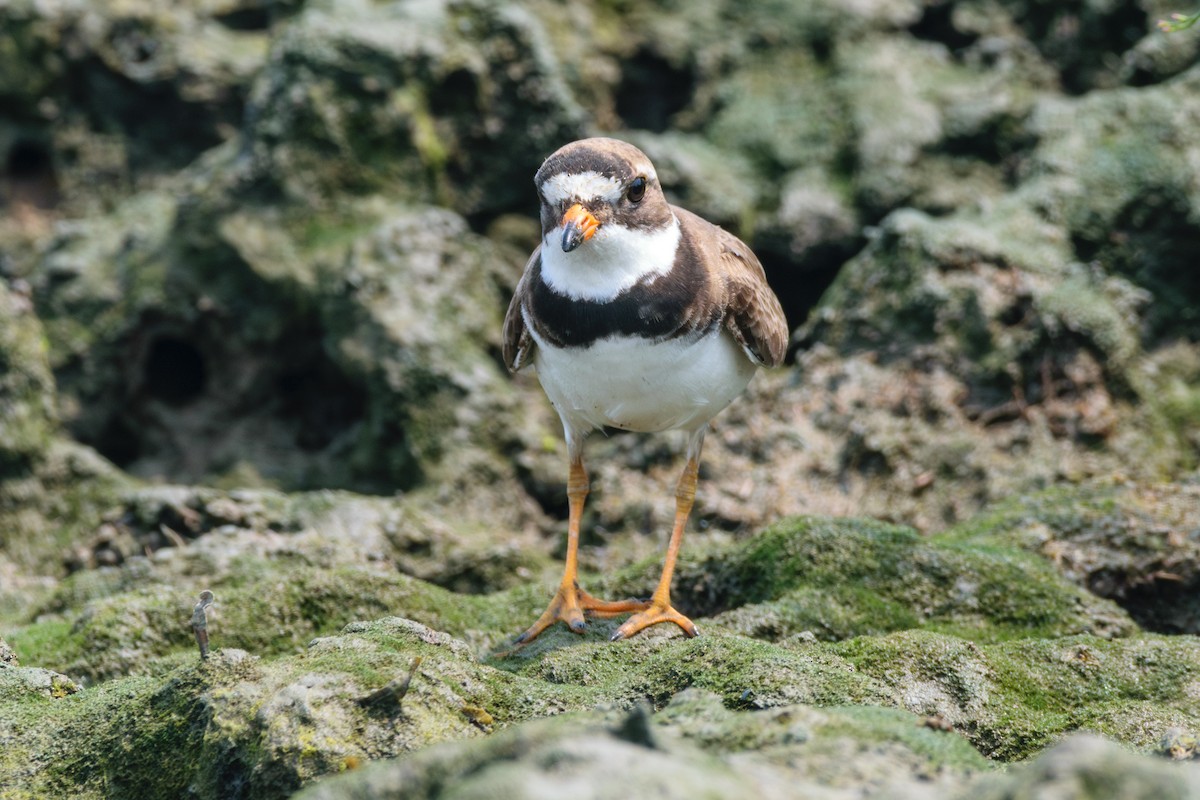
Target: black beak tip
x=571 y=239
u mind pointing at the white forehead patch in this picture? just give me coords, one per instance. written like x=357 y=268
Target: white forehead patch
x=588 y=185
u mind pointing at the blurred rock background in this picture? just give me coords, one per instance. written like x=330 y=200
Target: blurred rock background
x=254 y=255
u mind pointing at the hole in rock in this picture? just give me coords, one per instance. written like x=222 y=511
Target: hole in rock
x=29 y=166
x=937 y=25
x=258 y=15
x=652 y=91
x=457 y=96
x=1154 y=243
x=1164 y=606
x=27 y=159
x=320 y=401
x=800 y=283
x=1083 y=41
x=174 y=371
x=206 y=403
x=118 y=442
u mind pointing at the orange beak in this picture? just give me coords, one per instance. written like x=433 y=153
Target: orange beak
x=578 y=226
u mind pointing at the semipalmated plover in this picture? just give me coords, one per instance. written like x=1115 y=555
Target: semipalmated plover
x=637 y=315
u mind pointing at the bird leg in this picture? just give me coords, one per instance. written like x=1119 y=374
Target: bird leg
x=660 y=609
x=570 y=602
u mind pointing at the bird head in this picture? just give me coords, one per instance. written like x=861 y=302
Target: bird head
x=594 y=190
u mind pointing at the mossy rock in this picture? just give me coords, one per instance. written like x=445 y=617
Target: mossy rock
x=456 y=103
x=839 y=578
x=296 y=340
x=78 y=78
x=1138 y=544
x=28 y=400
x=266 y=609
x=274 y=725
x=694 y=747
x=1115 y=168
x=834 y=579
x=1015 y=698
x=1007 y=671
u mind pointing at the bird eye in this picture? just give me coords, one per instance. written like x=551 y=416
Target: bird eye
x=637 y=190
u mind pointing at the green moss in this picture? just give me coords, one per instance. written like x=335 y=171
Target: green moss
x=839 y=578
x=110 y=740
x=1009 y=699
x=780 y=125
x=1066 y=509
x=1079 y=305
x=273 y=723
x=259 y=609
x=1014 y=698
x=1170 y=390
x=833 y=739
x=743 y=672
x=27 y=391
x=45 y=514
x=748 y=673
x=49 y=642
x=1108 y=525
x=939 y=750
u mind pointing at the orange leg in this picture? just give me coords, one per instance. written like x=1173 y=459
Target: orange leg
x=660 y=609
x=570 y=602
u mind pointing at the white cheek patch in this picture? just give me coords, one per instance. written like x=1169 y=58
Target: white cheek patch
x=581 y=186
x=609 y=263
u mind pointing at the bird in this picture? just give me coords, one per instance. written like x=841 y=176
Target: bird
x=640 y=316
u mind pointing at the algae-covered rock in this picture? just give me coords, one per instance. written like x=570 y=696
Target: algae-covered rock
x=254 y=256
x=275 y=725
x=267 y=726
x=1136 y=544
x=26 y=385
x=1126 y=192
x=1087 y=767
x=1014 y=698
x=797 y=578
x=18 y=683
x=256 y=610
x=795 y=749
x=1081 y=768
x=450 y=102
x=301 y=708
x=838 y=579
x=102 y=98
x=7 y=656
x=906 y=98
x=290 y=351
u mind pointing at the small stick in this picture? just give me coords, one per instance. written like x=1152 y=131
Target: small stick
x=200 y=622
x=387 y=699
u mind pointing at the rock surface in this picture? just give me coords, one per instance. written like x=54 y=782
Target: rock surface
x=253 y=262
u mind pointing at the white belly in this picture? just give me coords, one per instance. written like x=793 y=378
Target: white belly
x=639 y=385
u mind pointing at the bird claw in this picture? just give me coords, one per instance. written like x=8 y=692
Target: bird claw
x=570 y=605
x=654 y=615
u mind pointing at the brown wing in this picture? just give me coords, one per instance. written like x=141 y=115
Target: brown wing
x=518 y=344
x=752 y=311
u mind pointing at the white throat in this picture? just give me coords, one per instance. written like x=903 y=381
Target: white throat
x=609 y=263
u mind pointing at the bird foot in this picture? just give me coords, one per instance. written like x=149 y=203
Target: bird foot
x=570 y=605
x=653 y=615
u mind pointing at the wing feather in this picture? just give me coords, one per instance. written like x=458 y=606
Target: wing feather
x=752 y=311
x=518 y=344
